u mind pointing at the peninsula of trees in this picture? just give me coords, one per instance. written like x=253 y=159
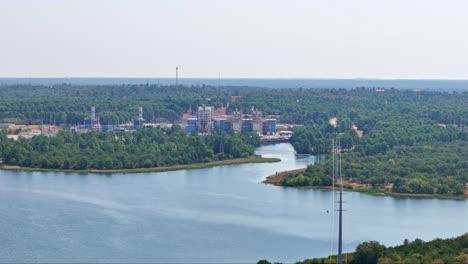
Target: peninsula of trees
x=145 y=148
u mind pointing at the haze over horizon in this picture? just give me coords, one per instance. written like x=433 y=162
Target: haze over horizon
x=235 y=39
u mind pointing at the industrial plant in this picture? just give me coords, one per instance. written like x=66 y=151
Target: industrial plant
x=92 y=123
x=206 y=122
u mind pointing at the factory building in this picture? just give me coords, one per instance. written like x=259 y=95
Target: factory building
x=205 y=119
x=236 y=121
x=269 y=126
x=221 y=124
x=191 y=125
x=247 y=125
x=107 y=127
x=205 y=122
x=257 y=121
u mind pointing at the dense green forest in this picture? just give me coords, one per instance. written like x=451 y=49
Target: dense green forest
x=144 y=148
x=438 y=168
x=362 y=106
x=380 y=133
x=438 y=251
x=70 y=104
x=401 y=153
x=398 y=129
x=372 y=126
x=65 y=103
x=315 y=139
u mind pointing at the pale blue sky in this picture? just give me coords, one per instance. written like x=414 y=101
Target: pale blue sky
x=235 y=38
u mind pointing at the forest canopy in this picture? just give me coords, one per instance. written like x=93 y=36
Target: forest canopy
x=144 y=148
x=452 y=250
x=405 y=140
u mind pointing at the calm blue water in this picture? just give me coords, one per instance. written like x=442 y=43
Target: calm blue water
x=220 y=214
x=438 y=85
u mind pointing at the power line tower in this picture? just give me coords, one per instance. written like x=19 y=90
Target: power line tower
x=338 y=178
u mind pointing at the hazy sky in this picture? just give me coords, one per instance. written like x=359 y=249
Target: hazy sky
x=235 y=38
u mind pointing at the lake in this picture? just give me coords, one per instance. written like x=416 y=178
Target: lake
x=219 y=214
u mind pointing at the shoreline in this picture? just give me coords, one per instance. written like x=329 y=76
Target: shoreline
x=202 y=165
x=276 y=179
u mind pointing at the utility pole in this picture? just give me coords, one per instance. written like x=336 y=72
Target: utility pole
x=340 y=232
x=337 y=176
x=177 y=76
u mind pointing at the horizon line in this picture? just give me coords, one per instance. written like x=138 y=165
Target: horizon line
x=235 y=78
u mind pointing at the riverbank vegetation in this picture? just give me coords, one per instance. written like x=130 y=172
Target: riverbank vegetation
x=438 y=168
x=393 y=142
x=145 y=148
x=437 y=251
x=192 y=166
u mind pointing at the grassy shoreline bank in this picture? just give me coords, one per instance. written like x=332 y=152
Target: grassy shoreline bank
x=203 y=165
x=276 y=180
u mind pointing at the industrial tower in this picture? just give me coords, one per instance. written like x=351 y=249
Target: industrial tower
x=139 y=121
x=92 y=122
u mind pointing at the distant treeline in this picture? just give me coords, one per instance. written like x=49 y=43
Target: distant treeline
x=320 y=83
x=144 y=148
x=65 y=103
x=69 y=104
x=361 y=106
